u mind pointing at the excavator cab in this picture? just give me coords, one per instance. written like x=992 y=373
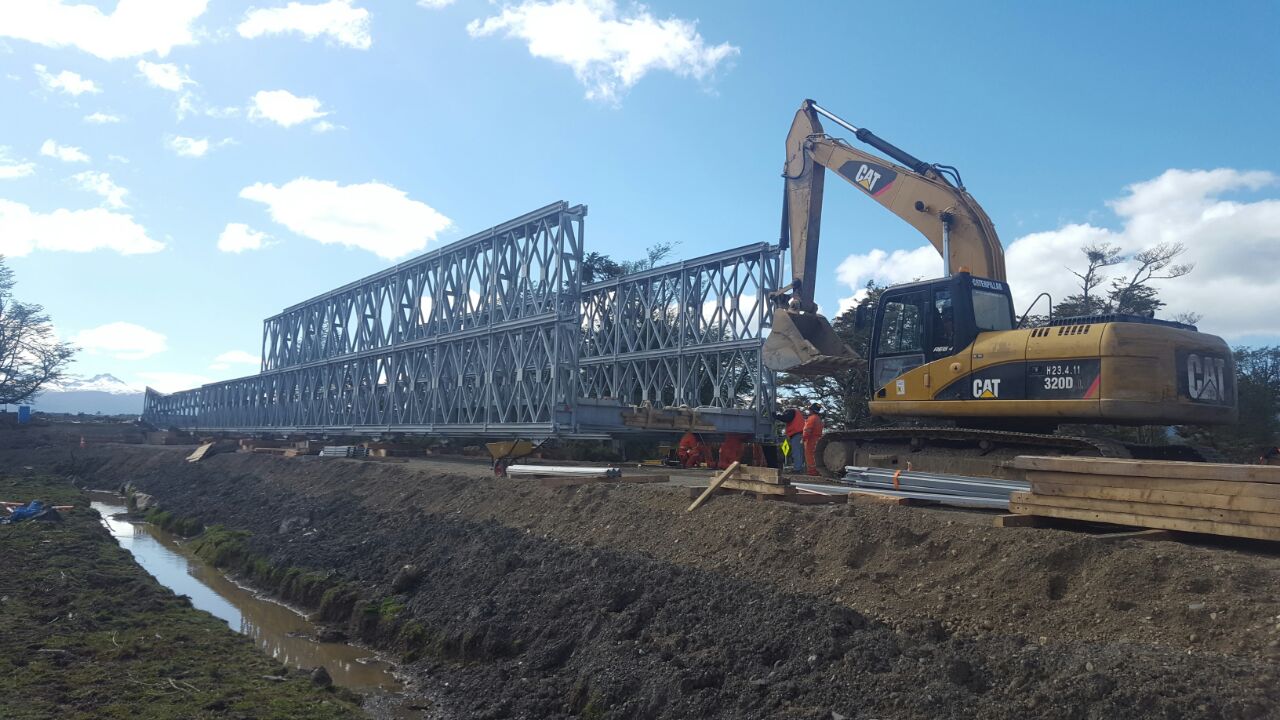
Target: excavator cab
x=804 y=343
x=921 y=322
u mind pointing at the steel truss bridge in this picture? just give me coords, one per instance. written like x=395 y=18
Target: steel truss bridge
x=496 y=335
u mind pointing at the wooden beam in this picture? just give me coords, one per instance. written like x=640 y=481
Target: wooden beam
x=1149 y=521
x=720 y=479
x=756 y=487
x=1151 y=468
x=768 y=475
x=1160 y=496
x=1212 y=487
x=1235 y=517
x=1017 y=521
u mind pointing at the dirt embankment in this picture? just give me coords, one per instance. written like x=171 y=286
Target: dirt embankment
x=610 y=601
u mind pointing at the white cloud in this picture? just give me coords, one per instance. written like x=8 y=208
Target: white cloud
x=121 y=340
x=189 y=147
x=284 y=108
x=66 y=82
x=238 y=237
x=195 y=147
x=324 y=126
x=1230 y=242
x=133 y=28
x=234 y=357
x=340 y=20
x=11 y=169
x=372 y=216
x=65 y=153
x=167 y=382
x=165 y=76
x=899 y=266
x=609 y=50
x=101 y=118
x=101 y=183
x=238 y=356
x=23 y=231
x=435 y=4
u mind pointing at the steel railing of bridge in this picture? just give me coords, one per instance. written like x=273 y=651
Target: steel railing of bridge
x=496 y=335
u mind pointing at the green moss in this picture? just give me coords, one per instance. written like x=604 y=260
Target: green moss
x=221 y=547
x=390 y=609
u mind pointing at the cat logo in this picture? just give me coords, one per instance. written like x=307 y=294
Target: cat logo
x=987 y=389
x=867 y=178
x=1205 y=378
x=872 y=178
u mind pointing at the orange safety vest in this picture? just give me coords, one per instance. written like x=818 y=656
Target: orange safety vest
x=813 y=427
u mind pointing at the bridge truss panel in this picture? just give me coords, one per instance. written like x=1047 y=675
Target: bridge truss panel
x=495 y=335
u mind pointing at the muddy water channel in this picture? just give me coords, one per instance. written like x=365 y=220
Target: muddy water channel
x=280 y=631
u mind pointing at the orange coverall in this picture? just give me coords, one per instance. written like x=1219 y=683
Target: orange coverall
x=730 y=450
x=691 y=451
x=812 y=432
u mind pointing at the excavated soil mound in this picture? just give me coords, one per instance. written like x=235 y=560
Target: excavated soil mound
x=610 y=601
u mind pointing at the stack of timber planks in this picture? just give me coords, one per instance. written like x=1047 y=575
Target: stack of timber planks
x=1219 y=499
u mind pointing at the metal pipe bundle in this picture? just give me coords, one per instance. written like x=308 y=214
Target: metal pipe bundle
x=563 y=470
x=343 y=451
x=980 y=492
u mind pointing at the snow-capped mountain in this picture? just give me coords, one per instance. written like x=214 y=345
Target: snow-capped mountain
x=104 y=382
x=103 y=393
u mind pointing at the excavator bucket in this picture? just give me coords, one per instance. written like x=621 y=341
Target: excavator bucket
x=806 y=344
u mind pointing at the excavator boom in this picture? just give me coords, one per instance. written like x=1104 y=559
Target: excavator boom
x=802 y=340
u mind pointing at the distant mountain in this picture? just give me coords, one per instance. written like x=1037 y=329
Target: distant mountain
x=104 y=393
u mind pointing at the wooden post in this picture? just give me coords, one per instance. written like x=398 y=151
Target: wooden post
x=713 y=486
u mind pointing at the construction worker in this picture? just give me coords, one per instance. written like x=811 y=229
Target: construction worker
x=793 y=430
x=812 y=433
x=731 y=450
x=691 y=451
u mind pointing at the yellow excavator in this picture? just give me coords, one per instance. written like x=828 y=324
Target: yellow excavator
x=950 y=351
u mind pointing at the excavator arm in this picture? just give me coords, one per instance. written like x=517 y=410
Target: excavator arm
x=922 y=194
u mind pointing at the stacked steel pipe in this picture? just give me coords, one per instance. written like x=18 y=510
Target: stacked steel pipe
x=959 y=490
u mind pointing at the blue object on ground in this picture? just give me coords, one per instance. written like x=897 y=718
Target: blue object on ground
x=24 y=414
x=25 y=512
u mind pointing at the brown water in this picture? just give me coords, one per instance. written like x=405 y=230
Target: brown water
x=279 y=630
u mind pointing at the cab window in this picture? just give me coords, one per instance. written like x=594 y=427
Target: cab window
x=943 y=337
x=902 y=326
x=991 y=310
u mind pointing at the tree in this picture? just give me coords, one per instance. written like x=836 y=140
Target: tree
x=598 y=266
x=1128 y=294
x=31 y=356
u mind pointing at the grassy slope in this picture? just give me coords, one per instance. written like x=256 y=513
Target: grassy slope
x=87 y=633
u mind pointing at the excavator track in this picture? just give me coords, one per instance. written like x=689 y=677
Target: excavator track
x=984 y=453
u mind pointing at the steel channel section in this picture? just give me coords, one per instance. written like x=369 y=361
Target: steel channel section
x=495 y=335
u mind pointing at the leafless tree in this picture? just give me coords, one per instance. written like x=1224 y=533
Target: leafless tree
x=31 y=356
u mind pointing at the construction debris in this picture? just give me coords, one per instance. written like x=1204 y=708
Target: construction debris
x=201 y=452
x=956 y=490
x=1218 y=499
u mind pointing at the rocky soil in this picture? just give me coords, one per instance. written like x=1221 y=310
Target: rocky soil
x=610 y=601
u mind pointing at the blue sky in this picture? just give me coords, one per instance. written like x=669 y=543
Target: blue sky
x=406 y=125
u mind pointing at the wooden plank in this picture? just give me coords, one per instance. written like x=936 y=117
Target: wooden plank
x=808 y=498
x=1149 y=521
x=200 y=453
x=1236 y=517
x=756 y=487
x=1161 y=496
x=720 y=480
x=1150 y=468
x=875 y=497
x=1017 y=521
x=1212 y=487
x=769 y=475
